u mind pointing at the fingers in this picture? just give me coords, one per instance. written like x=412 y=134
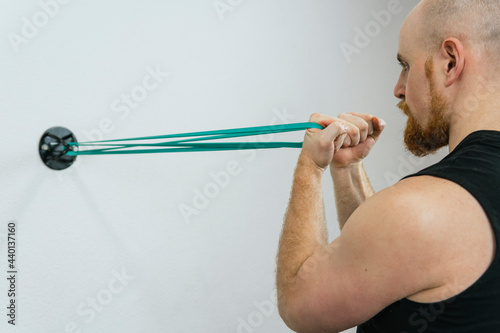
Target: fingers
x=377 y=123
x=378 y=126
x=321 y=145
x=339 y=141
x=326 y=121
x=333 y=134
x=321 y=119
x=360 y=127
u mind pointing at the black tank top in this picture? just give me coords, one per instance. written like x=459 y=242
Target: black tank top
x=475 y=165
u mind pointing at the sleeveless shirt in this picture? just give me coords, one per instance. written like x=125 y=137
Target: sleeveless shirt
x=474 y=165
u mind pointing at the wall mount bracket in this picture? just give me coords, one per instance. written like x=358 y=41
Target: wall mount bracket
x=53 y=147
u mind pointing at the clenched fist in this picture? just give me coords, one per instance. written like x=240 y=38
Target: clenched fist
x=345 y=140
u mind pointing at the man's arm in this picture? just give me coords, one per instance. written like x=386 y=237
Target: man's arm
x=351 y=187
x=351 y=183
x=389 y=249
x=304 y=230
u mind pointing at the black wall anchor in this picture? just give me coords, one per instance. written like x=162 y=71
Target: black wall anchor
x=53 y=147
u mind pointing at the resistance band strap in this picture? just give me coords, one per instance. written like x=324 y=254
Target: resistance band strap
x=190 y=142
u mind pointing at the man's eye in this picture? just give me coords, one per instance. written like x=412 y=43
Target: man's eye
x=404 y=66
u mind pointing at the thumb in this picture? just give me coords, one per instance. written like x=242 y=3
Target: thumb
x=332 y=133
x=339 y=141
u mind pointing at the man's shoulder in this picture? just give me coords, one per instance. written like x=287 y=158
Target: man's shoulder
x=424 y=194
x=423 y=218
x=432 y=227
x=423 y=201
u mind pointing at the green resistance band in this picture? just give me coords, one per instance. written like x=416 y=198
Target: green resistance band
x=190 y=142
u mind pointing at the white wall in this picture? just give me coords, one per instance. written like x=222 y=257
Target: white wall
x=262 y=62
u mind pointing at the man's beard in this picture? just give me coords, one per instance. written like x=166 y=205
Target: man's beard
x=424 y=141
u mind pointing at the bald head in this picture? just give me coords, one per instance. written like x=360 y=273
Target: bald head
x=476 y=23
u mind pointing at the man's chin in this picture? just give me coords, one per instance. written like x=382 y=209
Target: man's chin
x=426 y=142
x=421 y=152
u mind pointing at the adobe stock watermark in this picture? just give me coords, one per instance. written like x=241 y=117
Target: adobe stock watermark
x=406 y=166
x=30 y=27
x=224 y=7
x=89 y=309
x=220 y=179
x=121 y=109
x=483 y=92
x=202 y=197
x=371 y=30
x=127 y=102
x=255 y=319
x=429 y=312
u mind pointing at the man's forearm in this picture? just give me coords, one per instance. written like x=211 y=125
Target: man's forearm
x=304 y=229
x=352 y=187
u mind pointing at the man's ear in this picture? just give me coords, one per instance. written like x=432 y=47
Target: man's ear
x=453 y=56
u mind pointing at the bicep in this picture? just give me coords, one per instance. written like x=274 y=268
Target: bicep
x=379 y=258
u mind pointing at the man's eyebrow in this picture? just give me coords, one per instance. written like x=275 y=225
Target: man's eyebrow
x=401 y=59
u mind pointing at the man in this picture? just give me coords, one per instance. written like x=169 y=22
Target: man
x=419 y=256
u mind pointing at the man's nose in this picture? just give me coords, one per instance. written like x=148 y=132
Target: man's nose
x=400 y=89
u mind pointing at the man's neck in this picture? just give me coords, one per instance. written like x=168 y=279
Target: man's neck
x=472 y=120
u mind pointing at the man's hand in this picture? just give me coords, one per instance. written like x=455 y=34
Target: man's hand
x=363 y=131
x=321 y=145
x=344 y=141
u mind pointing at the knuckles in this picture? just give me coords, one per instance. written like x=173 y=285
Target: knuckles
x=364 y=127
x=353 y=131
x=317 y=117
x=356 y=132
